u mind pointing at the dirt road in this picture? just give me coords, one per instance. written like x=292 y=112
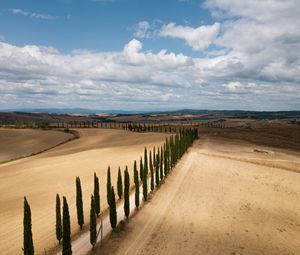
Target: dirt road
x=224 y=197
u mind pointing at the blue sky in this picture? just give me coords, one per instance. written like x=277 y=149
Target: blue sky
x=145 y=55
x=95 y=25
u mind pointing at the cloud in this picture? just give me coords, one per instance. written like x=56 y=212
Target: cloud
x=255 y=9
x=145 y=29
x=133 y=48
x=262 y=39
x=32 y=14
x=232 y=86
x=236 y=86
x=33 y=76
x=254 y=64
x=198 y=38
x=142 y=30
x=34 y=73
x=19 y=11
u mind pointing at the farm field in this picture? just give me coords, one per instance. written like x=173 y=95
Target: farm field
x=40 y=177
x=16 y=143
x=150 y=127
x=224 y=197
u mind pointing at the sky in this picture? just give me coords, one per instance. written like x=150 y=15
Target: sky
x=150 y=54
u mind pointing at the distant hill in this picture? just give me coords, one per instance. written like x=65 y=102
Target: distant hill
x=180 y=111
x=240 y=113
x=72 y=111
x=77 y=114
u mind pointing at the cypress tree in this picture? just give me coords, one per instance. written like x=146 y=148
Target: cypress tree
x=172 y=150
x=66 y=240
x=150 y=160
x=112 y=209
x=146 y=161
x=136 y=184
x=165 y=160
x=119 y=184
x=161 y=164
x=167 y=156
x=28 y=248
x=151 y=172
x=58 y=226
x=154 y=157
x=180 y=145
x=126 y=193
x=184 y=144
x=157 y=170
x=79 y=203
x=141 y=169
x=176 y=148
x=170 y=155
x=145 y=187
x=108 y=185
x=93 y=223
x=96 y=194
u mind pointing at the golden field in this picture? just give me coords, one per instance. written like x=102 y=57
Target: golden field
x=40 y=177
x=225 y=196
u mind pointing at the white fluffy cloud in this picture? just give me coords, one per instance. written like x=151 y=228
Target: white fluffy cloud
x=34 y=76
x=263 y=39
x=255 y=9
x=108 y=79
x=198 y=38
x=254 y=64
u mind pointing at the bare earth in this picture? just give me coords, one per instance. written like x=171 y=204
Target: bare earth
x=16 y=143
x=223 y=197
x=40 y=177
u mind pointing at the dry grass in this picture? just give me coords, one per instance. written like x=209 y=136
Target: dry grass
x=17 y=143
x=42 y=176
x=220 y=199
x=273 y=134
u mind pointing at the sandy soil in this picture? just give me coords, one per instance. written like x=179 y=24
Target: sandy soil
x=224 y=197
x=42 y=176
x=16 y=143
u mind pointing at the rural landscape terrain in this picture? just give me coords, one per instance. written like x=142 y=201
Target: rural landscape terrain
x=142 y=127
x=235 y=191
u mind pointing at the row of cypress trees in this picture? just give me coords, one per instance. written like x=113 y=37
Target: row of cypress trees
x=138 y=127
x=63 y=225
x=160 y=164
x=63 y=228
